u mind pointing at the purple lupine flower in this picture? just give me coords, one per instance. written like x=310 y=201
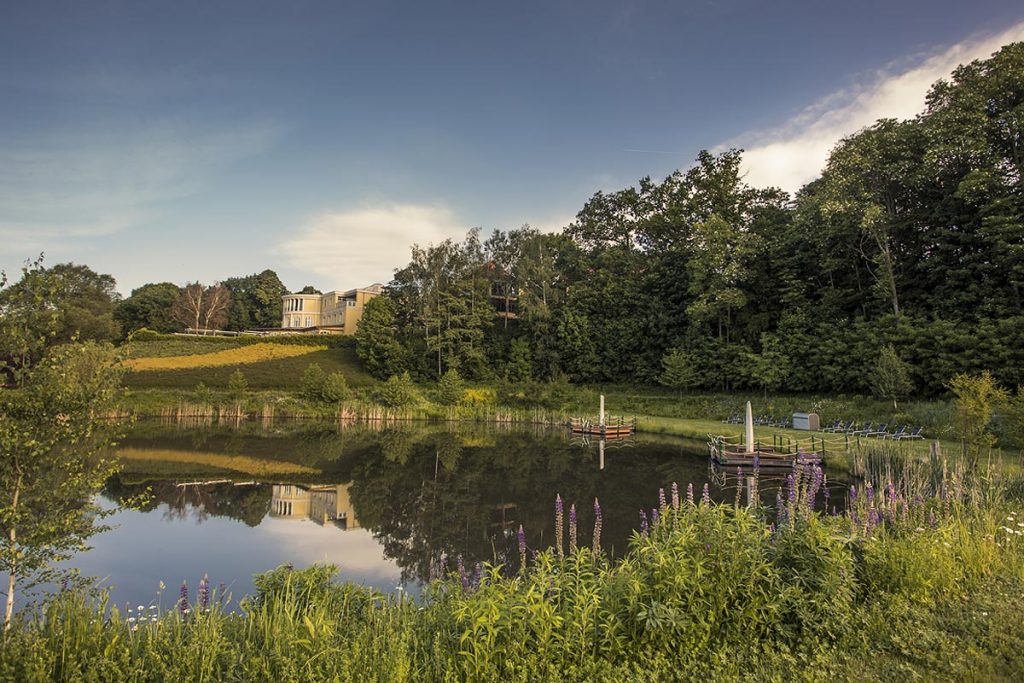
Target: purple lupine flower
x=705 y=497
x=463 y=576
x=824 y=489
x=931 y=519
x=739 y=487
x=757 y=463
x=655 y=517
x=853 y=494
x=521 y=536
x=870 y=494
x=917 y=502
x=597 y=528
x=689 y=493
x=183 y=606
x=791 y=489
x=675 y=496
x=643 y=524
x=662 y=502
x=780 y=510
x=559 y=524
x=572 y=528
x=222 y=591
x=203 y=595
x=478 y=571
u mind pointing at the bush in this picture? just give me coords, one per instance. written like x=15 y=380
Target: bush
x=237 y=386
x=450 y=388
x=397 y=392
x=335 y=388
x=313 y=379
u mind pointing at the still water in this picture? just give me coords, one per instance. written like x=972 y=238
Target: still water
x=383 y=504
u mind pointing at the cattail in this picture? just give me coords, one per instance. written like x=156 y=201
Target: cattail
x=521 y=535
x=597 y=528
x=675 y=496
x=558 y=525
x=572 y=529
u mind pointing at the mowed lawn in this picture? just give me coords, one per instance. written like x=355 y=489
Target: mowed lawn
x=275 y=371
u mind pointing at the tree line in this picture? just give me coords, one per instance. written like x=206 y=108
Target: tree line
x=901 y=265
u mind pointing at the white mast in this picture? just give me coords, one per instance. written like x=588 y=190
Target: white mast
x=750 y=428
x=600 y=417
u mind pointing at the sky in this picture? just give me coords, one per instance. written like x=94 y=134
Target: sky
x=195 y=141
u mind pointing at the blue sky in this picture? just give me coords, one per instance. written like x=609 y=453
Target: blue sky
x=196 y=141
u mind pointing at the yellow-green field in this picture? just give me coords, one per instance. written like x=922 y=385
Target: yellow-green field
x=244 y=355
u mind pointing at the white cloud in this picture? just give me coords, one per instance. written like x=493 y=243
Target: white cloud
x=794 y=154
x=355 y=248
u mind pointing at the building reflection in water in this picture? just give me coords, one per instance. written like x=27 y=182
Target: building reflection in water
x=324 y=504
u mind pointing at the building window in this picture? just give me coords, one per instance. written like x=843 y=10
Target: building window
x=309 y=321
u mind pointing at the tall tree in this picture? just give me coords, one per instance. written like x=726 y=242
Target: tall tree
x=202 y=308
x=255 y=300
x=149 y=306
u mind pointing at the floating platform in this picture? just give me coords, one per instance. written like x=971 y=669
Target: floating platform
x=618 y=429
x=728 y=455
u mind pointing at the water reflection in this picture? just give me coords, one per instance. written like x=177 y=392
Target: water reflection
x=386 y=503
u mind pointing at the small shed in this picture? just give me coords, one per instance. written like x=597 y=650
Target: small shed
x=806 y=421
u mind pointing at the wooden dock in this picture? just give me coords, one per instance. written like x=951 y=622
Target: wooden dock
x=735 y=455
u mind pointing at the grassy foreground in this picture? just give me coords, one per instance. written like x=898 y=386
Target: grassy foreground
x=922 y=578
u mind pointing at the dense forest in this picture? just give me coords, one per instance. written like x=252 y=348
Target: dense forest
x=911 y=240
x=906 y=251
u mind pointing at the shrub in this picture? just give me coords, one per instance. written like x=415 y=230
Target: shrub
x=450 y=388
x=335 y=388
x=237 y=386
x=313 y=379
x=398 y=391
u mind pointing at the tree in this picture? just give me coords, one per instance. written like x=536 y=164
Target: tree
x=312 y=385
x=450 y=387
x=202 y=308
x=398 y=391
x=680 y=370
x=54 y=433
x=85 y=300
x=890 y=378
x=335 y=389
x=377 y=343
x=977 y=397
x=769 y=369
x=255 y=300
x=149 y=306
x=237 y=385
x=519 y=367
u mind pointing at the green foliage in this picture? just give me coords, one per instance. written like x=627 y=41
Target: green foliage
x=450 y=388
x=203 y=394
x=255 y=301
x=335 y=389
x=977 y=398
x=520 y=361
x=680 y=370
x=313 y=380
x=377 y=338
x=54 y=431
x=237 y=385
x=397 y=392
x=890 y=378
x=148 y=308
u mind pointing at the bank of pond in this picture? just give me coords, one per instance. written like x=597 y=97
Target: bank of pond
x=470 y=552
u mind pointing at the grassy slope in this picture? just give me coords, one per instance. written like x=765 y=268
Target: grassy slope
x=282 y=373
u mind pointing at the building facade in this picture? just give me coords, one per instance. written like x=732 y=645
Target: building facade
x=337 y=312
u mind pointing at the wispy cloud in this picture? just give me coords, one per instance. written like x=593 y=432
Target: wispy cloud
x=794 y=154
x=75 y=187
x=361 y=246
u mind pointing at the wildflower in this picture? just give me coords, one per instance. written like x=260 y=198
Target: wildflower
x=643 y=524
x=655 y=517
x=463 y=577
x=597 y=527
x=183 y=599
x=931 y=519
x=572 y=529
x=558 y=525
x=478 y=571
x=689 y=493
x=705 y=497
x=204 y=594
x=675 y=496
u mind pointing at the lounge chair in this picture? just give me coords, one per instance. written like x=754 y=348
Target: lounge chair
x=785 y=423
x=916 y=434
x=730 y=420
x=836 y=426
x=863 y=431
x=881 y=430
x=898 y=434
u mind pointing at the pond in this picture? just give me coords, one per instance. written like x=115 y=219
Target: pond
x=384 y=503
